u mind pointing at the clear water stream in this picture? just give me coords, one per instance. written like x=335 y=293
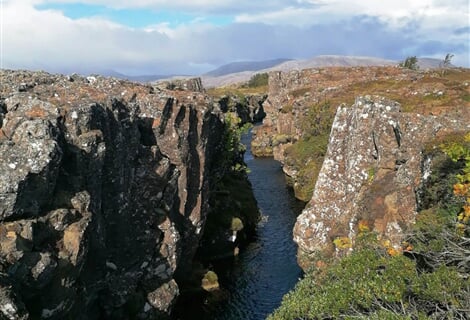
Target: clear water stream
x=255 y=281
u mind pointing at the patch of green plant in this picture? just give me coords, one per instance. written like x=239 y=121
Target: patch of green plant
x=307 y=178
x=410 y=63
x=237 y=224
x=307 y=156
x=258 y=80
x=369 y=284
x=371 y=174
x=466 y=97
x=318 y=120
x=211 y=276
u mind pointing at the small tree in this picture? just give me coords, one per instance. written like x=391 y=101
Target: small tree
x=410 y=63
x=446 y=63
x=447 y=60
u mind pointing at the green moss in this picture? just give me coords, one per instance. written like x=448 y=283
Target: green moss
x=306 y=155
x=371 y=174
x=280 y=139
x=210 y=281
x=211 y=276
x=237 y=224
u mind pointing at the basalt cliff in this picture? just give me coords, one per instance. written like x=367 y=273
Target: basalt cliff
x=367 y=157
x=104 y=193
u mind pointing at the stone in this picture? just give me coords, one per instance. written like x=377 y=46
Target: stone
x=164 y=297
x=210 y=281
x=11 y=306
x=371 y=172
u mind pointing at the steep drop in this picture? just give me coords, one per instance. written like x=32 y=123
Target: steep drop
x=257 y=279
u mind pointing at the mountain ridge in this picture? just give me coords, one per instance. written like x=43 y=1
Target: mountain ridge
x=314 y=62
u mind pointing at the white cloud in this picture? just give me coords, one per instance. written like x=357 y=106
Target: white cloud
x=46 y=39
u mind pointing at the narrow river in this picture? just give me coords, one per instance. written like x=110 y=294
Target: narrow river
x=267 y=269
x=254 y=282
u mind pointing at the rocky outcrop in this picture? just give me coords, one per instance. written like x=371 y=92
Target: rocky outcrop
x=104 y=188
x=371 y=174
x=248 y=108
x=301 y=104
x=291 y=93
x=192 y=84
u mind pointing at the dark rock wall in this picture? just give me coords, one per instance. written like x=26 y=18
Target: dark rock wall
x=103 y=194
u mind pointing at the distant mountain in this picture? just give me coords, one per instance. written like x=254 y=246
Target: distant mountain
x=332 y=61
x=225 y=79
x=138 y=78
x=318 y=61
x=431 y=63
x=237 y=72
x=241 y=66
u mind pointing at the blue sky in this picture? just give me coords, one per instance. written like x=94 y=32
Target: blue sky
x=191 y=37
x=134 y=17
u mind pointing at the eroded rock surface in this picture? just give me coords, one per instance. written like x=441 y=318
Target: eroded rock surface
x=103 y=194
x=371 y=174
x=292 y=93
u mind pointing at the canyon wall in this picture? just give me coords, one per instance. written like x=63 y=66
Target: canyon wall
x=104 y=188
x=290 y=94
x=371 y=175
x=372 y=169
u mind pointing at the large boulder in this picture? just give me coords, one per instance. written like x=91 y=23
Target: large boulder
x=371 y=174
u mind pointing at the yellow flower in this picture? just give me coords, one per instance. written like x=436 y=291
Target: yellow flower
x=460 y=189
x=363 y=226
x=393 y=252
x=342 y=243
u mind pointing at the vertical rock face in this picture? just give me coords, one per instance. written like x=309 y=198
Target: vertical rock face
x=193 y=84
x=292 y=93
x=371 y=174
x=103 y=194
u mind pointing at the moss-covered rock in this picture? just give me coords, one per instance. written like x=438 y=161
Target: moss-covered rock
x=210 y=281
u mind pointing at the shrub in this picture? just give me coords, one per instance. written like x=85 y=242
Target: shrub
x=410 y=63
x=258 y=80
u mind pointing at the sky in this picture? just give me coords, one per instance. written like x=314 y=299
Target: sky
x=155 y=37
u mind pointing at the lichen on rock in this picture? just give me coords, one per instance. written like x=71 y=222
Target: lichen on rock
x=104 y=188
x=370 y=136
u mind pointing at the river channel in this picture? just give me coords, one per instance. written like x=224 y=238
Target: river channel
x=267 y=268
x=255 y=281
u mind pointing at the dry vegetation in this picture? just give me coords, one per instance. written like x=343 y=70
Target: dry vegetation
x=425 y=92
